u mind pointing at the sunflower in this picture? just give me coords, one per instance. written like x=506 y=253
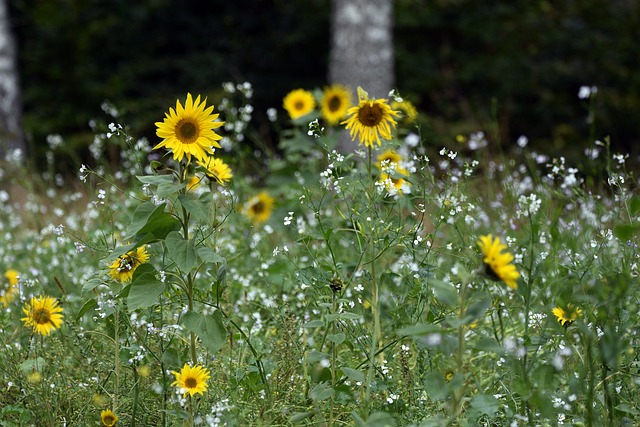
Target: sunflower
x=193 y=183
x=298 y=103
x=408 y=111
x=393 y=181
x=335 y=102
x=189 y=130
x=9 y=287
x=43 y=314
x=217 y=169
x=259 y=207
x=498 y=264
x=566 y=316
x=390 y=156
x=370 y=120
x=122 y=268
x=191 y=380
x=108 y=418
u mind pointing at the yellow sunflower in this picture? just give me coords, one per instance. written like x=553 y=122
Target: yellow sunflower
x=258 y=208
x=566 y=316
x=193 y=183
x=122 y=268
x=217 y=169
x=390 y=156
x=189 y=130
x=191 y=380
x=394 y=183
x=498 y=264
x=108 y=418
x=9 y=287
x=336 y=100
x=43 y=314
x=408 y=111
x=370 y=120
x=298 y=103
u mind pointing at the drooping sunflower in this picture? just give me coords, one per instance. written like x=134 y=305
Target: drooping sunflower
x=9 y=287
x=258 y=208
x=191 y=380
x=193 y=182
x=567 y=315
x=122 y=268
x=189 y=130
x=298 y=103
x=217 y=169
x=43 y=314
x=108 y=418
x=498 y=264
x=370 y=120
x=407 y=110
x=336 y=100
x=390 y=156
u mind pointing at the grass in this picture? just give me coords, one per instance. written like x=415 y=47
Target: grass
x=356 y=303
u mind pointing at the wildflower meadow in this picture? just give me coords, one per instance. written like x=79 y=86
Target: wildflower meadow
x=198 y=281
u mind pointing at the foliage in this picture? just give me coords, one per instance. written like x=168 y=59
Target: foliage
x=358 y=302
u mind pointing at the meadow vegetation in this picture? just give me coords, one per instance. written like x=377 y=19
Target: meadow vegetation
x=410 y=282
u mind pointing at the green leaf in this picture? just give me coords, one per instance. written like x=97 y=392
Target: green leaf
x=477 y=310
x=377 y=419
x=353 y=374
x=313 y=324
x=445 y=292
x=169 y=188
x=626 y=232
x=207 y=254
x=145 y=288
x=142 y=215
x=91 y=284
x=155 y=179
x=321 y=392
x=209 y=328
x=181 y=251
x=485 y=404
x=337 y=338
x=31 y=365
x=199 y=209
x=299 y=416
x=419 y=329
x=158 y=227
x=86 y=307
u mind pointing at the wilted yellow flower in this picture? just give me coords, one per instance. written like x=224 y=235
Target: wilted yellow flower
x=122 y=268
x=298 y=103
x=191 y=380
x=498 y=264
x=43 y=314
x=189 y=130
x=34 y=377
x=370 y=120
x=9 y=287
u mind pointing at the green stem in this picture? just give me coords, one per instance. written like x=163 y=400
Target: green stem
x=116 y=340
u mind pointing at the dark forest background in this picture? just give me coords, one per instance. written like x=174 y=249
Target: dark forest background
x=466 y=64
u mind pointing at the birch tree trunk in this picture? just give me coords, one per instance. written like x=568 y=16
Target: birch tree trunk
x=11 y=134
x=362 y=48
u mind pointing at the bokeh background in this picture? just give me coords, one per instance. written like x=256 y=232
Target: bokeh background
x=467 y=65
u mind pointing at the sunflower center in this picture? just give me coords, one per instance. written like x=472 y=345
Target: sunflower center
x=108 y=420
x=191 y=382
x=370 y=115
x=298 y=105
x=126 y=263
x=334 y=103
x=258 y=208
x=41 y=316
x=187 y=131
x=491 y=271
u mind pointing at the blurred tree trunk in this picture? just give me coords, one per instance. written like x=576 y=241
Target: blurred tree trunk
x=11 y=135
x=362 y=48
